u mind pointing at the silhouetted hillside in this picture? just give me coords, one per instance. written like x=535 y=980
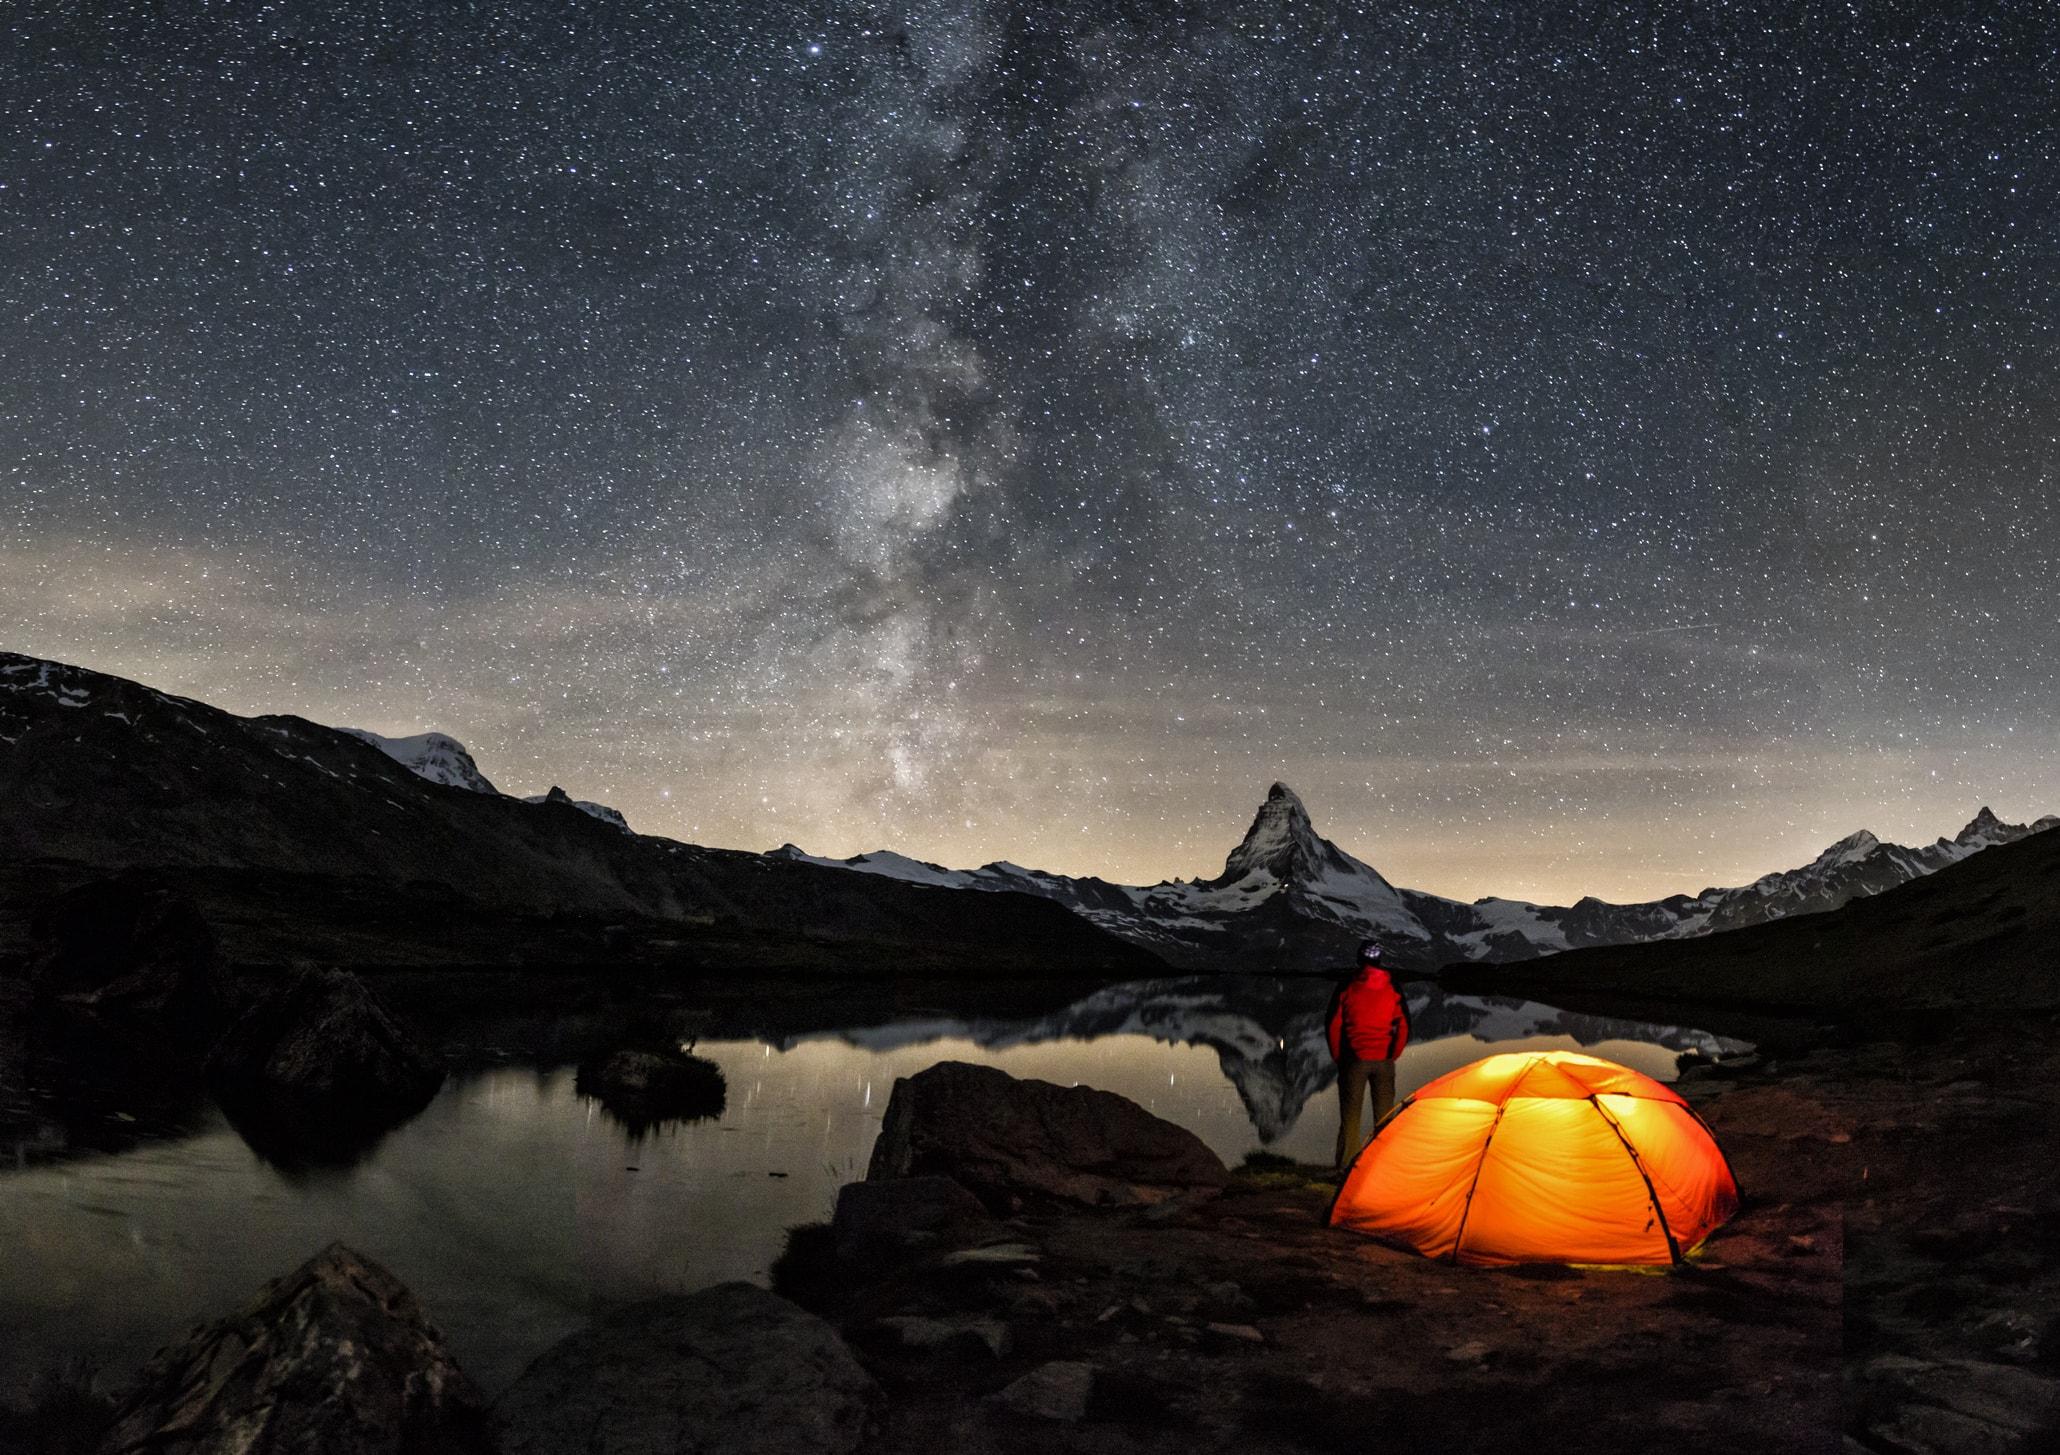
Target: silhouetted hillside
x=305 y=839
x=1981 y=934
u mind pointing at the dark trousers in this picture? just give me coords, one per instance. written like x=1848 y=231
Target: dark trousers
x=1355 y=1079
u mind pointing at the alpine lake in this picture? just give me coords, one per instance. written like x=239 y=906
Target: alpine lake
x=516 y=1208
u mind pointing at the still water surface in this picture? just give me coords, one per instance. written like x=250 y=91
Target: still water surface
x=517 y=1209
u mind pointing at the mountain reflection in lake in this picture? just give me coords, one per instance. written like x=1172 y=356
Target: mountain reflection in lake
x=517 y=1209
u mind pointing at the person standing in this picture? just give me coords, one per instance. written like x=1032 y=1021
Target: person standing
x=1368 y=1026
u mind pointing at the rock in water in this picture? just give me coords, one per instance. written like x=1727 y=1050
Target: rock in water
x=129 y=943
x=335 y=1357
x=317 y=1066
x=1006 y=1139
x=731 y=1370
x=642 y=1088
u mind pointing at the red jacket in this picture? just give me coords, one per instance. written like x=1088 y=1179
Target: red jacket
x=1368 y=1019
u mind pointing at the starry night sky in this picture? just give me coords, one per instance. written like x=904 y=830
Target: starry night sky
x=1583 y=449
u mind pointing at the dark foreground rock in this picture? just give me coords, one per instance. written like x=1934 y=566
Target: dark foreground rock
x=642 y=1088
x=319 y=1067
x=878 y=1222
x=1952 y=1286
x=731 y=1370
x=1007 y=1139
x=128 y=944
x=335 y=1357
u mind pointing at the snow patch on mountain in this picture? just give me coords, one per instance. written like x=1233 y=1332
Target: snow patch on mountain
x=443 y=759
x=600 y=811
x=1497 y=917
x=435 y=756
x=888 y=865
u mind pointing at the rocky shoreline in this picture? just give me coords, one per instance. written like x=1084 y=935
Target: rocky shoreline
x=1054 y=1269
x=1111 y=1287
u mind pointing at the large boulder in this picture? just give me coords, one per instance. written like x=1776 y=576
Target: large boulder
x=731 y=1370
x=130 y=943
x=319 y=1066
x=1007 y=1139
x=336 y=1357
x=879 y=1222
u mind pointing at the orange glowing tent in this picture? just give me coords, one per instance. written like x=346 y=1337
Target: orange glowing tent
x=1541 y=1157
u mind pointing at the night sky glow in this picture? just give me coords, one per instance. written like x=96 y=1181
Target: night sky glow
x=1609 y=451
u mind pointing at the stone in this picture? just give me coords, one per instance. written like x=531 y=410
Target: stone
x=318 y=1067
x=336 y=1356
x=1471 y=1352
x=1237 y=1333
x=1181 y=1205
x=1057 y=1391
x=913 y=1331
x=645 y=1088
x=730 y=1370
x=1007 y=1139
x=1011 y=1256
x=129 y=944
x=881 y=1221
x=2010 y=1403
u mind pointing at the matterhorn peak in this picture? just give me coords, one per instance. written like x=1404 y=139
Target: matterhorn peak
x=1281 y=842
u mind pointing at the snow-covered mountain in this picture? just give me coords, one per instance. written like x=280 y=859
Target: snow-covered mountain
x=434 y=756
x=1288 y=898
x=443 y=759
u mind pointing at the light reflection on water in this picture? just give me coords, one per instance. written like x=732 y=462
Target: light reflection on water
x=516 y=1209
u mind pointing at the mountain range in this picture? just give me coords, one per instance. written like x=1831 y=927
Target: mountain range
x=443 y=759
x=99 y=773
x=298 y=840
x=1974 y=939
x=1289 y=898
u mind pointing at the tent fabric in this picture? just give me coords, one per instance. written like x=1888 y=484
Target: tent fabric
x=1541 y=1157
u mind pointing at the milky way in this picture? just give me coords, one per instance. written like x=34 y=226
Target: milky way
x=1612 y=452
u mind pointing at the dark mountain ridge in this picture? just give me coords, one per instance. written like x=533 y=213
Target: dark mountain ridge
x=1977 y=935
x=291 y=818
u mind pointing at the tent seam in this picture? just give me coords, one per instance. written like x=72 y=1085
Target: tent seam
x=1466 y=1211
x=1638 y=1166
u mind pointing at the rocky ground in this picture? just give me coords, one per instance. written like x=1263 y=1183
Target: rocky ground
x=1953 y=1227
x=1891 y=1285
x=1888 y=1286
x=1240 y=1321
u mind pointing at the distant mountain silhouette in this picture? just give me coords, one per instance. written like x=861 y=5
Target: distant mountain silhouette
x=310 y=840
x=1977 y=935
x=1290 y=899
